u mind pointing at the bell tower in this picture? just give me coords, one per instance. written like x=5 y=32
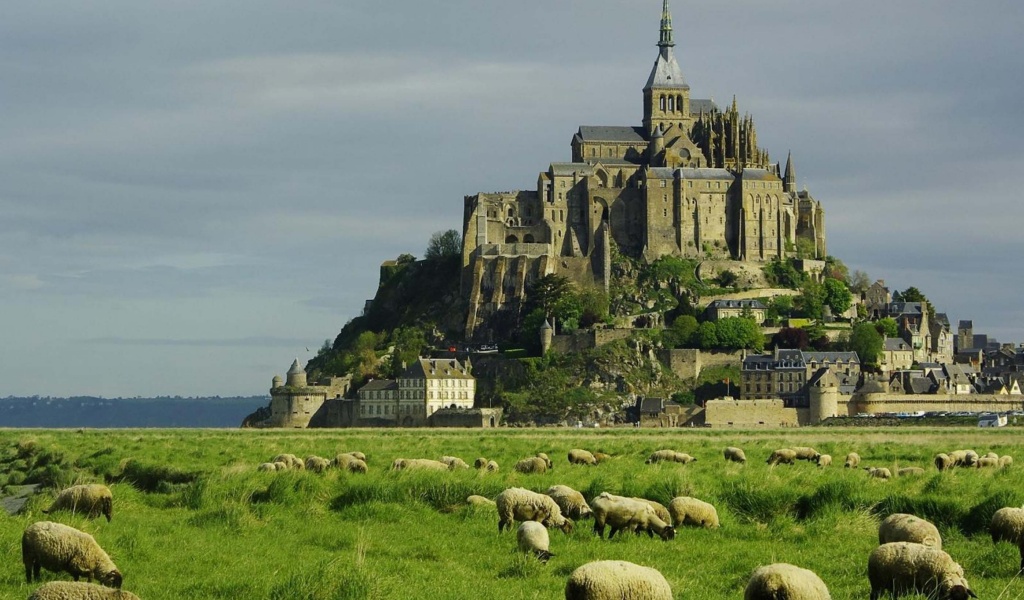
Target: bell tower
x=666 y=95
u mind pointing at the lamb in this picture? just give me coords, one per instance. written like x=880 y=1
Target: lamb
x=628 y=513
x=357 y=454
x=616 y=580
x=93 y=499
x=454 y=462
x=782 y=456
x=901 y=527
x=906 y=568
x=669 y=455
x=74 y=590
x=824 y=460
x=570 y=502
x=485 y=465
x=805 y=453
x=879 y=472
x=581 y=457
x=659 y=509
x=852 y=460
x=317 y=464
x=944 y=462
x=532 y=538
x=475 y=500
x=987 y=462
x=280 y=465
x=533 y=464
x=691 y=511
x=903 y=472
x=61 y=548
x=519 y=504
x=1005 y=462
x=1008 y=525
x=420 y=464
x=735 y=454
x=781 y=580
x=971 y=458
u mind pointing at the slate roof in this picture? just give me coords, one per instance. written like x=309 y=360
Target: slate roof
x=941 y=319
x=751 y=304
x=661 y=173
x=759 y=175
x=921 y=385
x=436 y=368
x=966 y=324
x=706 y=174
x=905 y=308
x=612 y=133
x=570 y=168
x=666 y=72
x=895 y=344
x=698 y=105
x=379 y=385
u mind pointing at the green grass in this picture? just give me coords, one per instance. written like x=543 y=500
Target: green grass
x=194 y=519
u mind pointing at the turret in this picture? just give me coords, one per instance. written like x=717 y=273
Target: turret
x=276 y=382
x=296 y=375
x=547 y=333
x=656 y=148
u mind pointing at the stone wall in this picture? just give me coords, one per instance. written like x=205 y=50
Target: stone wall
x=882 y=403
x=585 y=340
x=687 y=363
x=727 y=412
x=468 y=417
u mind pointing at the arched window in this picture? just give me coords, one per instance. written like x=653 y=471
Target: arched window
x=671 y=103
x=528 y=238
x=679 y=105
x=663 y=103
x=511 y=240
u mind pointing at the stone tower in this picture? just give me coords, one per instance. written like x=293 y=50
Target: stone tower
x=789 y=181
x=824 y=397
x=666 y=95
x=296 y=375
x=546 y=334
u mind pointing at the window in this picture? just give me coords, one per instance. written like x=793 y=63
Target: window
x=663 y=103
x=663 y=183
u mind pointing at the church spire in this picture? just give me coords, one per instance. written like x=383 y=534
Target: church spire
x=665 y=40
x=789 y=181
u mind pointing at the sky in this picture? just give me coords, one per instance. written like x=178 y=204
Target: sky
x=193 y=194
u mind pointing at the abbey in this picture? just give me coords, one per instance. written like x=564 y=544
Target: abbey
x=690 y=181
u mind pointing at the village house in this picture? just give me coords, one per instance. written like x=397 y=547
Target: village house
x=785 y=374
x=722 y=309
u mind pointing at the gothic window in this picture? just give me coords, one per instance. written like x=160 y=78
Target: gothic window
x=679 y=105
x=671 y=103
x=663 y=103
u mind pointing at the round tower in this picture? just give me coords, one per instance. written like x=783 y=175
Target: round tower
x=547 y=333
x=276 y=382
x=296 y=375
x=656 y=148
x=824 y=397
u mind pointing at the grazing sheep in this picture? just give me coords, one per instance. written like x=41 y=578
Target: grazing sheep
x=475 y=500
x=480 y=463
x=1008 y=526
x=903 y=472
x=852 y=460
x=519 y=504
x=292 y=461
x=532 y=538
x=944 y=462
x=75 y=590
x=418 y=464
x=93 y=499
x=805 y=453
x=317 y=464
x=491 y=466
x=901 y=527
x=987 y=462
x=785 y=581
x=735 y=454
x=670 y=456
x=907 y=568
x=616 y=580
x=281 y=465
x=991 y=455
x=61 y=548
x=570 y=502
x=357 y=454
x=630 y=514
x=581 y=457
x=879 y=472
x=659 y=509
x=970 y=458
x=547 y=461
x=533 y=464
x=601 y=457
x=454 y=462
x=267 y=466
x=1005 y=462
x=824 y=460
x=691 y=511
x=349 y=462
x=782 y=456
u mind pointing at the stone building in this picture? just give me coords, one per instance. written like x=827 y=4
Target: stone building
x=724 y=309
x=423 y=388
x=689 y=181
x=789 y=374
x=294 y=402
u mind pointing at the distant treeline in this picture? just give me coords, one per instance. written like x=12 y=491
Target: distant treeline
x=87 y=411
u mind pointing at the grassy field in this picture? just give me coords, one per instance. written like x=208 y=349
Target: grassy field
x=194 y=519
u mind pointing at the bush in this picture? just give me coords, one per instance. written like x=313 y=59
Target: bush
x=154 y=478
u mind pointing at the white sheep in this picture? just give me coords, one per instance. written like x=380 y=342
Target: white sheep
x=351 y=463
x=879 y=472
x=60 y=548
x=480 y=463
x=805 y=453
x=317 y=464
x=944 y=461
x=491 y=466
x=76 y=590
x=520 y=504
x=901 y=527
x=824 y=460
x=782 y=580
x=670 y=456
x=418 y=464
x=267 y=466
x=1005 y=461
x=454 y=462
x=601 y=457
x=281 y=465
x=907 y=568
x=93 y=499
x=852 y=460
x=570 y=502
x=547 y=461
x=616 y=580
x=292 y=461
x=532 y=538
x=987 y=462
x=533 y=464
x=476 y=500
x=782 y=456
x=735 y=454
x=693 y=512
x=579 y=456
x=621 y=513
x=904 y=471
x=991 y=455
x=1007 y=525
x=356 y=454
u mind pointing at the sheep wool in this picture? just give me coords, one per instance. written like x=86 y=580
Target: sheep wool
x=669 y=456
x=578 y=456
x=76 y=590
x=782 y=456
x=943 y=462
x=901 y=527
x=824 y=460
x=532 y=538
x=987 y=462
x=547 y=461
x=292 y=461
x=630 y=514
x=904 y=471
x=879 y=472
x=480 y=463
x=351 y=463
x=852 y=460
x=491 y=466
x=93 y=499
x=1005 y=461
x=317 y=464
x=570 y=502
x=454 y=462
x=781 y=580
x=616 y=580
x=735 y=455
x=60 y=548
x=805 y=453
x=991 y=455
x=418 y=464
x=267 y=466
x=601 y=457
x=907 y=568
x=477 y=500
x=1007 y=525
x=692 y=512
x=520 y=504
x=533 y=464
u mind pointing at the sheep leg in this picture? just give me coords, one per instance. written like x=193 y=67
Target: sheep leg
x=1022 y=557
x=599 y=529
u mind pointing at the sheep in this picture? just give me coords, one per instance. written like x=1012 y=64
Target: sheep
x=970 y=458
x=901 y=527
x=475 y=500
x=532 y=538
x=581 y=457
x=356 y=454
x=906 y=568
x=454 y=462
x=903 y=472
x=805 y=453
x=491 y=466
x=61 y=548
x=1008 y=525
x=570 y=502
x=351 y=463
x=1005 y=462
x=986 y=461
x=92 y=499
x=421 y=464
x=944 y=462
x=628 y=513
x=480 y=463
x=547 y=461
x=659 y=509
x=671 y=456
x=317 y=464
x=879 y=472
x=735 y=455
x=533 y=464
x=267 y=466
x=519 y=504
x=75 y=590
x=781 y=580
x=290 y=460
x=991 y=455
x=616 y=580
x=601 y=457
x=691 y=511
x=782 y=456
x=852 y=460
x=824 y=460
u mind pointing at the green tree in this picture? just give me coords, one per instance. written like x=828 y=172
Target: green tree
x=858 y=282
x=887 y=327
x=836 y=269
x=727 y=278
x=805 y=248
x=780 y=273
x=837 y=295
x=811 y=300
x=866 y=342
x=567 y=311
x=680 y=334
x=546 y=292
x=707 y=335
x=595 y=307
x=444 y=244
x=409 y=343
x=735 y=333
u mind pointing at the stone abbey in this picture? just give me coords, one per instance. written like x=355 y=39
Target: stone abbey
x=690 y=181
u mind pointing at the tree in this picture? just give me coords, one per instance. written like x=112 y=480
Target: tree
x=858 y=282
x=837 y=296
x=805 y=248
x=887 y=327
x=793 y=338
x=545 y=293
x=866 y=342
x=680 y=334
x=444 y=244
x=835 y=269
x=727 y=278
x=735 y=333
x=811 y=300
x=707 y=335
x=912 y=294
